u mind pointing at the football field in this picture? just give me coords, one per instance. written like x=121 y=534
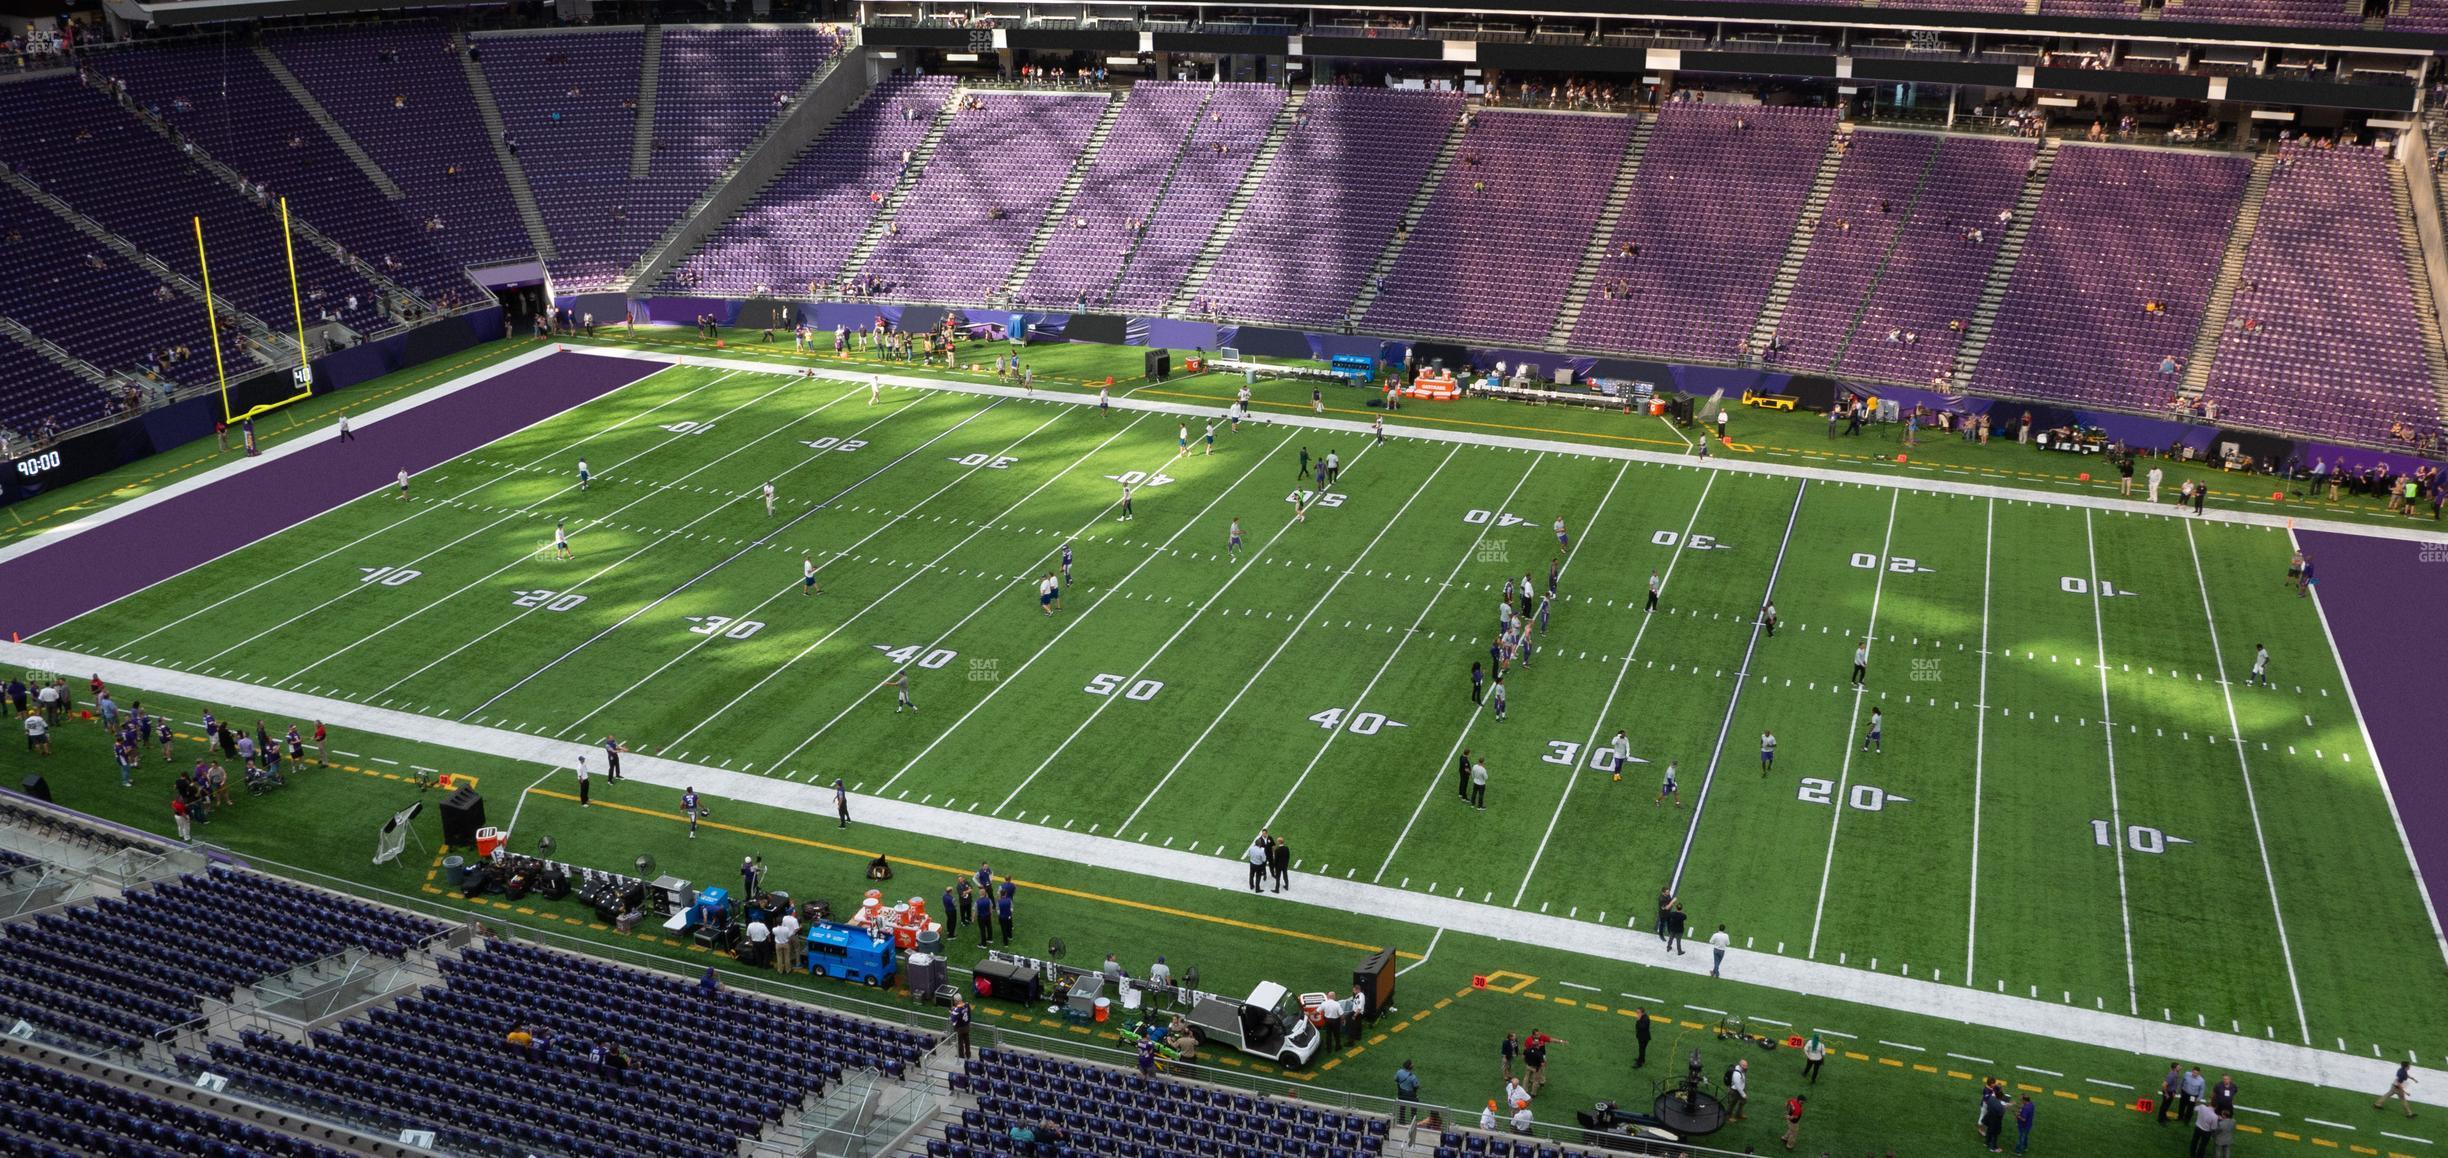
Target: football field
x=2078 y=796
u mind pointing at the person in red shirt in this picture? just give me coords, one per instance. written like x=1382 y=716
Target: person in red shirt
x=1534 y=1058
x=320 y=761
x=1793 y=1119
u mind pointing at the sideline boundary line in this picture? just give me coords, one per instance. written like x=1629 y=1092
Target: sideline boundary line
x=2346 y=681
x=2284 y=1060
x=1980 y=736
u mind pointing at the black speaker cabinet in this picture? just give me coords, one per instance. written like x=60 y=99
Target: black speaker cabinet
x=1159 y=365
x=462 y=815
x=1374 y=977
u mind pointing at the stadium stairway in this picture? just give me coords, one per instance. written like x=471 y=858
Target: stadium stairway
x=1587 y=274
x=2001 y=269
x=2435 y=351
x=522 y=196
x=331 y=128
x=1911 y=207
x=1780 y=291
x=1060 y=208
x=50 y=351
x=1196 y=280
x=720 y=199
x=263 y=340
x=919 y=157
x=1123 y=270
x=2230 y=277
x=650 y=81
x=305 y=231
x=1412 y=213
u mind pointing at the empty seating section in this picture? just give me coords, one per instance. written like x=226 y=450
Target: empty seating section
x=570 y=101
x=1493 y=254
x=1331 y=200
x=111 y=168
x=125 y=969
x=992 y=177
x=1087 y=248
x=2324 y=337
x=223 y=98
x=399 y=91
x=704 y=1070
x=795 y=235
x=2421 y=16
x=2290 y=13
x=1919 y=262
x=1113 y=1112
x=51 y=284
x=715 y=91
x=2117 y=230
x=55 y=1112
x=1222 y=149
x=1718 y=193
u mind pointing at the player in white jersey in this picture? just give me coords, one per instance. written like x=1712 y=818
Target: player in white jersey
x=1667 y=789
x=807 y=576
x=2260 y=667
x=584 y=476
x=1623 y=751
x=1232 y=540
x=1126 y=506
x=561 y=539
x=769 y=500
x=403 y=484
x=1104 y=404
x=875 y=388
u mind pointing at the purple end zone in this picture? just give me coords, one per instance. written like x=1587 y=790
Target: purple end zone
x=2387 y=607
x=50 y=586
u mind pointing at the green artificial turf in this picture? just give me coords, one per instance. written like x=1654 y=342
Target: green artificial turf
x=1317 y=684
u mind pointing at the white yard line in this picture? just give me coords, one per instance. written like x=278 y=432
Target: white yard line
x=982 y=527
x=788 y=586
x=1325 y=894
x=2363 y=726
x=1597 y=726
x=519 y=559
x=2116 y=810
x=1425 y=954
x=1980 y=736
x=2235 y=729
x=1074 y=621
x=1844 y=769
x=1290 y=634
x=753 y=544
x=1742 y=676
x=1438 y=779
x=354 y=588
x=420 y=511
x=1239 y=568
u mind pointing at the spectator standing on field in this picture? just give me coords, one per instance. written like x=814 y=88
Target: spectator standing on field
x=1675 y=920
x=1479 y=772
x=2023 y=1124
x=1406 y=1092
x=2170 y=1086
x=1258 y=856
x=1738 y=1089
x=1719 y=942
x=2397 y=1089
x=1279 y=862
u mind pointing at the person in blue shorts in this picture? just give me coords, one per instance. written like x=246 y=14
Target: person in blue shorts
x=1210 y=436
x=2304 y=587
x=1767 y=752
x=1232 y=539
x=561 y=539
x=584 y=476
x=1066 y=565
x=1181 y=441
x=1563 y=537
x=807 y=576
x=1878 y=728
